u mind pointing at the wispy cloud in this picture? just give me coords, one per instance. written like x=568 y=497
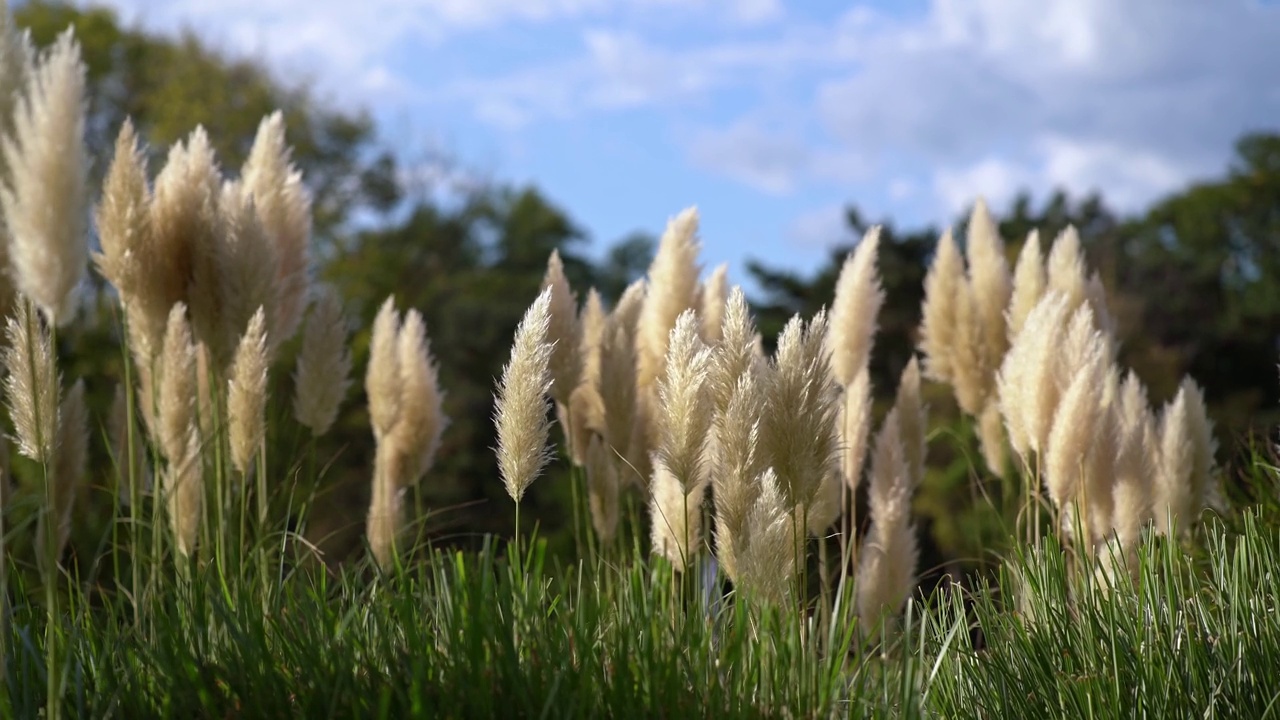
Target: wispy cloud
x=911 y=111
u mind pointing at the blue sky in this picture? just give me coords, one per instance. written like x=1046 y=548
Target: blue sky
x=772 y=116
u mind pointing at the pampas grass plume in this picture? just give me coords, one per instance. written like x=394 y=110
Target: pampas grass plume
x=45 y=196
x=944 y=288
x=520 y=412
x=33 y=383
x=563 y=331
x=283 y=207
x=684 y=409
x=857 y=303
x=247 y=393
x=382 y=377
x=798 y=430
x=177 y=387
x=421 y=421
x=714 y=296
x=1028 y=283
x=323 y=373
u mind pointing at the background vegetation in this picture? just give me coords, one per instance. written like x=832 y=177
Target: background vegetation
x=1194 y=281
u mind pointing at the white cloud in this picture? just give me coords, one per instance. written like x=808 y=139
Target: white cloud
x=1130 y=98
x=821 y=227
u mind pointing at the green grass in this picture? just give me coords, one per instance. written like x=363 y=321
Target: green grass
x=504 y=634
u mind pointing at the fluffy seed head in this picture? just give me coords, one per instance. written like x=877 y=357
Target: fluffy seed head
x=33 y=383
x=714 y=296
x=177 y=399
x=857 y=303
x=323 y=373
x=1028 y=283
x=765 y=552
x=382 y=377
x=283 y=207
x=990 y=286
x=855 y=428
x=602 y=488
x=673 y=280
x=248 y=259
x=566 y=362
x=944 y=288
x=421 y=421
x=247 y=393
x=521 y=404
x=1075 y=429
x=1133 y=482
x=183 y=488
x=685 y=411
x=675 y=517
x=45 y=194
x=798 y=432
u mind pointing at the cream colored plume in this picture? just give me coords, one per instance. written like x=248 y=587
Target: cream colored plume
x=1134 y=472
x=33 y=383
x=283 y=207
x=1066 y=268
x=714 y=296
x=382 y=376
x=520 y=412
x=1187 y=447
x=323 y=373
x=189 y=247
x=16 y=59
x=855 y=428
x=602 y=488
x=684 y=407
x=990 y=286
x=421 y=421
x=586 y=406
x=1028 y=283
x=945 y=290
x=675 y=517
x=45 y=194
x=673 y=282
x=886 y=572
x=124 y=232
x=1075 y=428
x=798 y=429
x=247 y=394
x=183 y=488
x=854 y=310
x=1027 y=383
x=734 y=355
x=248 y=281
x=765 y=551
x=177 y=387
x=563 y=331
x=738 y=465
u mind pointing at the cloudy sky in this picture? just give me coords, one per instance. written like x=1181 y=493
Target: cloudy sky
x=772 y=116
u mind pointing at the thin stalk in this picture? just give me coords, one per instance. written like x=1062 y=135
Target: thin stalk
x=53 y=675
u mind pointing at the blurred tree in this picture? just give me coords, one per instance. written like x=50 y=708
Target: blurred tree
x=1207 y=262
x=168 y=86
